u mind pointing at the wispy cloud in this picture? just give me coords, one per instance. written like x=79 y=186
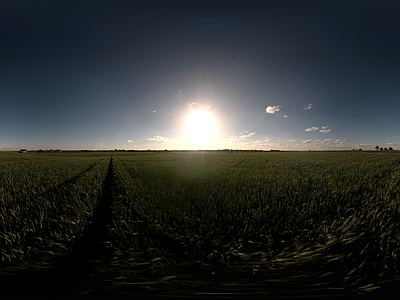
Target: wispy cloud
x=160 y=139
x=233 y=138
x=311 y=129
x=269 y=140
x=288 y=141
x=130 y=141
x=324 y=129
x=386 y=117
x=395 y=137
x=326 y=141
x=364 y=146
x=285 y=116
x=325 y=144
x=390 y=144
x=118 y=134
x=48 y=146
x=273 y=109
x=309 y=106
x=246 y=135
x=191 y=104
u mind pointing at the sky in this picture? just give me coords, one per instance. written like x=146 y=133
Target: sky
x=282 y=75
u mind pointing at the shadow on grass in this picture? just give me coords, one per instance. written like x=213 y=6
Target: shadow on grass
x=61 y=276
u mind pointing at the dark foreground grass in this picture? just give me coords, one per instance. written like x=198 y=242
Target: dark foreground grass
x=320 y=221
x=270 y=225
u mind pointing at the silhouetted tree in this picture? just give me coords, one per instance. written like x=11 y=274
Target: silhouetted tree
x=385 y=148
x=390 y=148
x=381 y=149
x=377 y=148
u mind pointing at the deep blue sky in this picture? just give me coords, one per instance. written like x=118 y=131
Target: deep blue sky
x=289 y=75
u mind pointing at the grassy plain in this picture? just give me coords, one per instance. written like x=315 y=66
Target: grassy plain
x=46 y=199
x=186 y=223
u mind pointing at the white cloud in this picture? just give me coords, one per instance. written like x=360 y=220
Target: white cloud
x=159 y=139
x=229 y=140
x=324 y=144
x=288 y=141
x=270 y=140
x=390 y=144
x=395 y=137
x=285 y=116
x=309 y=106
x=191 y=104
x=365 y=146
x=339 y=141
x=247 y=135
x=233 y=138
x=327 y=141
x=273 y=109
x=130 y=141
x=47 y=146
x=323 y=130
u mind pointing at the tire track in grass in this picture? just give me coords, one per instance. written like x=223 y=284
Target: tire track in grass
x=75 y=272
x=242 y=161
x=92 y=250
x=55 y=192
x=96 y=235
x=280 y=283
x=68 y=182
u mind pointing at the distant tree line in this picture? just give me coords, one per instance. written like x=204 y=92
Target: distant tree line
x=381 y=149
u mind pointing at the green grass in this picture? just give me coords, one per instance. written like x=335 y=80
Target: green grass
x=45 y=201
x=323 y=219
x=331 y=212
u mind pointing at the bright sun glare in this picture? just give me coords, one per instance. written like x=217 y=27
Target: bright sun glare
x=200 y=126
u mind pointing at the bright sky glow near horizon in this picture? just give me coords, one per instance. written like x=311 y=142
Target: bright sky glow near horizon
x=287 y=75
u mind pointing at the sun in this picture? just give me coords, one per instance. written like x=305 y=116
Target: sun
x=200 y=125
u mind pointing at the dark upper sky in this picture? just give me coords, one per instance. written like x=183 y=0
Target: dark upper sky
x=128 y=74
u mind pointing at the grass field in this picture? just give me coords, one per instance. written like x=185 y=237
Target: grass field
x=277 y=224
